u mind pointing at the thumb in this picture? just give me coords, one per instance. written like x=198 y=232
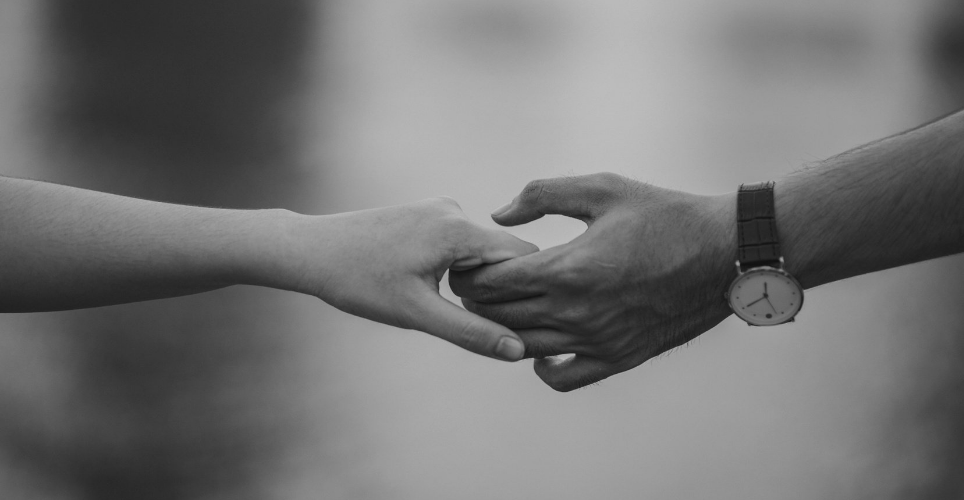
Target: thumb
x=445 y=320
x=584 y=197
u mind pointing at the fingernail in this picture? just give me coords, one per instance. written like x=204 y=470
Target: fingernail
x=510 y=349
x=501 y=210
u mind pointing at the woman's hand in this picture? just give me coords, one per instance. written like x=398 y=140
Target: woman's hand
x=385 y=264
x=76 y=248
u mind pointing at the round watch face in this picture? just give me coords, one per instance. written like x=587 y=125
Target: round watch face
x=765 y=296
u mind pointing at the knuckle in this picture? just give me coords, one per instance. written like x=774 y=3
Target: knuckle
x=534 y=190
x=444 y=211
x=447 y=201
x=574 y=269
x=435 y=213
x=575 y=314
x=605 y=187
x=609 y=180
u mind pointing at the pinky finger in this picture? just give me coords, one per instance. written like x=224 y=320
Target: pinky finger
x=578 y=371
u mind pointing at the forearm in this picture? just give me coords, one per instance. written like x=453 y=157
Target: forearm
x=882 y=205
x=653 y=267
x=66 y=248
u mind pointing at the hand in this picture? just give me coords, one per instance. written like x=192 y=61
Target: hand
x=385 y=265
x=648 y=275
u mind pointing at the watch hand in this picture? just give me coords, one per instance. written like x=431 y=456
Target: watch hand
x=771 y=304
x=764 y=288
x=755 y=301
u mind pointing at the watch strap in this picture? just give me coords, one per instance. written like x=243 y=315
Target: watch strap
x=758 y=244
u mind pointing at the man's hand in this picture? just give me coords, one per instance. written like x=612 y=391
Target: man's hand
x=648 y=275
x=385 y=265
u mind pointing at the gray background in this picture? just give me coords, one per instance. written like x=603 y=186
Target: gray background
x=344 y=105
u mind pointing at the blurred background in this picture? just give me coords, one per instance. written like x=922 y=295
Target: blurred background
x=339 y=105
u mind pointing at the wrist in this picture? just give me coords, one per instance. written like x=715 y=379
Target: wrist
x=763 y=293
x=800 y=259
x=269 y=253
x=721 y=242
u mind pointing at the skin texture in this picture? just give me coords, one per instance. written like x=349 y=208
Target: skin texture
x=641 y=280
x=885 y=204
x=76 y=248
x=651 y=269
x=385 y=265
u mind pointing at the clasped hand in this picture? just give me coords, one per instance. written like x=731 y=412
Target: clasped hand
x=644 y=277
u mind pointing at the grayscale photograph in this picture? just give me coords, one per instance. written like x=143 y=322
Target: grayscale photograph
x=481 y=250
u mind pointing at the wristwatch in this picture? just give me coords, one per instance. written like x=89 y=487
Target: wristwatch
x=762 y=294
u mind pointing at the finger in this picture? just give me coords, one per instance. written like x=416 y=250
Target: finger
x=578 y=371
x=515 y=314
x=445 y=320
x=489 y=246
x=543 y=342
x=512 y=279
x=583 y=197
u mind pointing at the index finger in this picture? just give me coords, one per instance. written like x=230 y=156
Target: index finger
x=488 y=246
x=512 y=279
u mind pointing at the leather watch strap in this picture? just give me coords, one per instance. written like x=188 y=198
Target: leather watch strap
x=757 y=226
